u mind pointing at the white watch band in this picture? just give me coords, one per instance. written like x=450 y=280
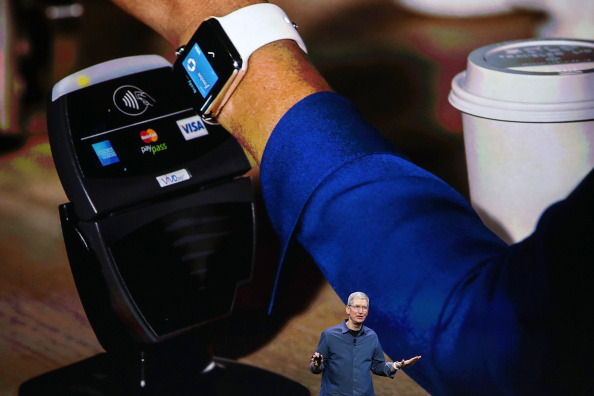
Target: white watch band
x=254 y=26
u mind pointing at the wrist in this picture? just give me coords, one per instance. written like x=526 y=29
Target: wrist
x=279 y=76
x=247 y=100
x=395 y=367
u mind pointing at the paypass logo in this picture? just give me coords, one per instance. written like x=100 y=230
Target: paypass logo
x=149 y=136
x=192 y=127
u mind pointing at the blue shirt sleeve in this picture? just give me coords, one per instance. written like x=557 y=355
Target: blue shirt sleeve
x=486 y=317
x=323 y=350
x=379 y=366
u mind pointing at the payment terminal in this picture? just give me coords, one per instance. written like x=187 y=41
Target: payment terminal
x=159 y=230
x=157 y=205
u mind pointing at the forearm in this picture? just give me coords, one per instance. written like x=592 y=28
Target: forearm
x=383 y=368
x=279 y=74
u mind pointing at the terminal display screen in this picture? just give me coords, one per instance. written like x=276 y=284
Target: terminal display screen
x=138 y=127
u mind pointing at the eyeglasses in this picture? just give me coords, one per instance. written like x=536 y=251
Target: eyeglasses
x=359 y=307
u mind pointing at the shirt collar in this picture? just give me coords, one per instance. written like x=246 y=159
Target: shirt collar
x=345 y=329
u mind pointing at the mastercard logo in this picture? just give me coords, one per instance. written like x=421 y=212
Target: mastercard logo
x=149 y=136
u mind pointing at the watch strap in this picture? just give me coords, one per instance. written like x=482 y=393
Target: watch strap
x=254 y=26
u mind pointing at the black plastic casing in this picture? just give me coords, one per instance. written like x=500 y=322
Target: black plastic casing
x=150 y=260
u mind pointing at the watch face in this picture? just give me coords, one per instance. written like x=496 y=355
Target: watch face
x=209 y=64
x=200 y=70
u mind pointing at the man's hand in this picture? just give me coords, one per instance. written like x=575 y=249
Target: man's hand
x=407 y=363
x=316 y=360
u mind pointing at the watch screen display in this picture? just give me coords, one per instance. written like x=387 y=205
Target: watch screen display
x=210 y=63
x=200 y=70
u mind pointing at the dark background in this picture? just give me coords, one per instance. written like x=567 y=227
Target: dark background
x=395 y=64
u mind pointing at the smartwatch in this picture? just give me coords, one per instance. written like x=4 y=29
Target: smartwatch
x=216 y=58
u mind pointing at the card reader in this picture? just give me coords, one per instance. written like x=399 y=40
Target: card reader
x=159 y=230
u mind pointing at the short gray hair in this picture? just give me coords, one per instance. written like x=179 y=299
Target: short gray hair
x=359 y=295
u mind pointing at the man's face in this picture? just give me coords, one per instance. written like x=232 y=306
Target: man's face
x=358 y=310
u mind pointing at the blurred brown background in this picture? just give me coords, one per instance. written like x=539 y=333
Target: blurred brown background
x=395 y=64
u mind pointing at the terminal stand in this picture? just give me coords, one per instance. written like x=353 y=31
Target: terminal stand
x=166 y=372
x=180 y=365
x=159 y=233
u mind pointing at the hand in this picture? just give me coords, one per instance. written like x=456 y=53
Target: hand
x=317 y=359
x=407 y=363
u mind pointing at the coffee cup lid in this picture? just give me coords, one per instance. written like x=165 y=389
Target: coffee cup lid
x=540 y=80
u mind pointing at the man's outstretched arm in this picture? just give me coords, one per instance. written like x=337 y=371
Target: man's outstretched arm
x=404 y=363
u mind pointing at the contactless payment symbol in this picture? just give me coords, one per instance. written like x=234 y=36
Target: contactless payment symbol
x=132 y=100
x=149 y=136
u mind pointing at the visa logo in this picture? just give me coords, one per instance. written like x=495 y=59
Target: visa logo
x=173 y=178
x=192 y=127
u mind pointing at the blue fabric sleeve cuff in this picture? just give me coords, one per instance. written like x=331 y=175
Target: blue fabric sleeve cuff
x=315 y=137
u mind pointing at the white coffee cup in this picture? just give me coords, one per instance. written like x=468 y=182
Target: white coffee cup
x=528 y=119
